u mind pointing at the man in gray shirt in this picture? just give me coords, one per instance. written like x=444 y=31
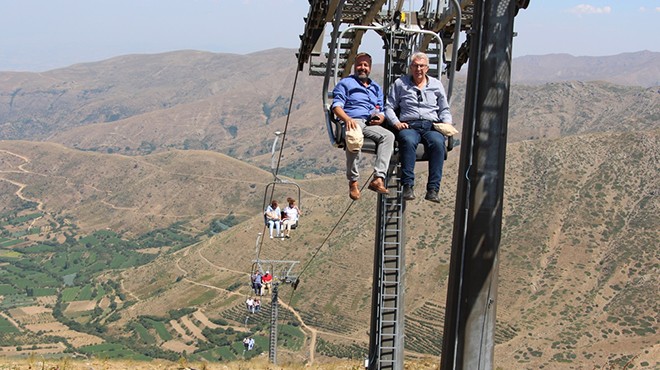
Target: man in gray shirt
x=421 y=101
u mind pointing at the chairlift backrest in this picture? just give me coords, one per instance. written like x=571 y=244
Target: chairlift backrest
x=393 y=69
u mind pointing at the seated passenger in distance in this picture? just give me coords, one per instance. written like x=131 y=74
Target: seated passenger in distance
x=291 y=214
x=273 y=216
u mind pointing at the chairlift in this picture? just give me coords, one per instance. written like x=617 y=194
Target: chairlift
x=258 y=268
x=335 y=127
x=283 y=275
x=253 y=304
x=269 y=193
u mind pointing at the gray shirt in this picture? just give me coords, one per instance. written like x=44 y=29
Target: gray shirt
x=413 y=103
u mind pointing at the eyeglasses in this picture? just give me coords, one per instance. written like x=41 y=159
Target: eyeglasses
x=419 y=96
x=420 y=66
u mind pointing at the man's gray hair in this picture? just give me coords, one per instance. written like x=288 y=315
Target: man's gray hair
x=419 y=55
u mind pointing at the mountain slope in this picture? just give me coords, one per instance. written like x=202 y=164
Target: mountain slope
x=635 y=69
x=132 y=194
x=232 y=104
x=579 y=252
x=578 y=256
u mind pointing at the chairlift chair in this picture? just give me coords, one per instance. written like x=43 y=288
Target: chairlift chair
x=335 y=127
x=277 y=181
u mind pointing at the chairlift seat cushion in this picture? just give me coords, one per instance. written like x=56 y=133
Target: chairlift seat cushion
x=338 y=132
x=369 y=146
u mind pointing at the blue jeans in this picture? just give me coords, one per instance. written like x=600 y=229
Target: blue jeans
x=434 y=143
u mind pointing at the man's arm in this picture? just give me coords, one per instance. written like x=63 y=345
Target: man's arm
x=443 y=105
x=341 y=114
x=393 y=104
x=340 y=96
x=443 y=110
x=379 y=118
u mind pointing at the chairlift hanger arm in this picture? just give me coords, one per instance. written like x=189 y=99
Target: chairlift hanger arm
x=430 y=35
x=281 y=269
x=363 y=18
x=322 y=12
x=347 y=68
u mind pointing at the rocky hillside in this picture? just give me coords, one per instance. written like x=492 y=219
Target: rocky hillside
x=232 y=104
x=578 y=252
x=633 y=69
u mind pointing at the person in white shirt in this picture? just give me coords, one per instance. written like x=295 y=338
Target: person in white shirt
x=273 y=216
x=291 y=214
x=246 y=343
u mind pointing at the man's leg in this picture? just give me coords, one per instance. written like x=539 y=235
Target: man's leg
x=352 y=171
x=352 y=174
x=408 y=140
x=435 y=145
x=385 y=140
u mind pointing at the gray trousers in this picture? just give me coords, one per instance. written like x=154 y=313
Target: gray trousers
x=385 y=140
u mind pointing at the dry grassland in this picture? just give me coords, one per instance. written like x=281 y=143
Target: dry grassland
x=44 y=349
x=255 y=364
x=78 y=306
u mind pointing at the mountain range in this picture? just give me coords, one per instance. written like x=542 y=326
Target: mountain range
x=141 y=142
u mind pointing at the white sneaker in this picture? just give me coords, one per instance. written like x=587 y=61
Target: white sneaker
x=271 y=237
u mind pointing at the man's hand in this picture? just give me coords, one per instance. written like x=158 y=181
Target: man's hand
x=348 y=121
x=401 y=126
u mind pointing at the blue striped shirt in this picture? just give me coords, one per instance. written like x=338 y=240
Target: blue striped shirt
x=429 y=103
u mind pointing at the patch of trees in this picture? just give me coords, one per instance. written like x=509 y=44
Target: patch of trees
x=181 y=312
x=219 y=225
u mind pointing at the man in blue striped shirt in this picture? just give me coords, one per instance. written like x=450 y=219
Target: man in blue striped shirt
x=421 y=101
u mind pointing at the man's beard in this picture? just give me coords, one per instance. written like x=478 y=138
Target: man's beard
x=363 y=76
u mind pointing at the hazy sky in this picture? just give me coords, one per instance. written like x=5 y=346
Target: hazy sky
x=38 y=35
